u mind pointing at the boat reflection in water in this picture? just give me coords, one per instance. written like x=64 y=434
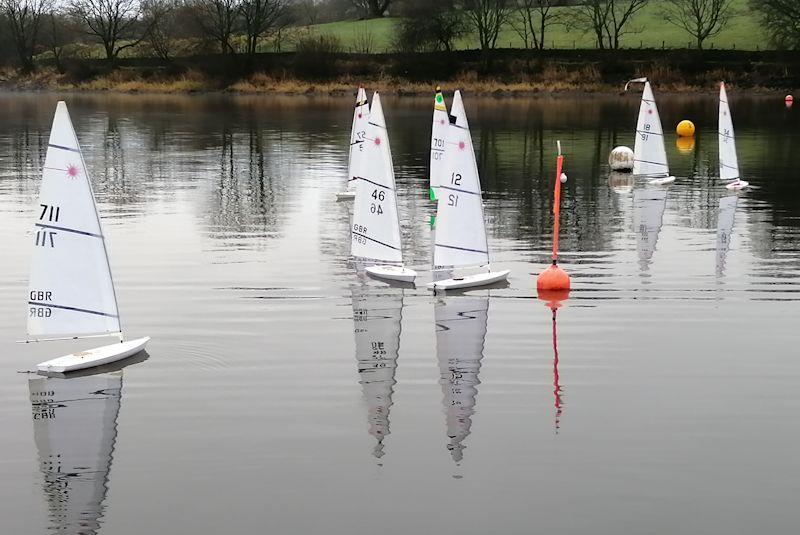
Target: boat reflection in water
x=377 y=315
x=649 y=203
x=460 y=333
x=75 y=429
x=725 y=219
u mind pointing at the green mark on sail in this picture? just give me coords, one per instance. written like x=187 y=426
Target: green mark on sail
x=432 y=193
x=432 y=222
x=439 y=98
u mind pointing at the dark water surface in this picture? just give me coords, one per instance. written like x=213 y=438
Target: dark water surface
x=672 y=407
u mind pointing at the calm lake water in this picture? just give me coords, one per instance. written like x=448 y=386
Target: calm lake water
x=283 y=394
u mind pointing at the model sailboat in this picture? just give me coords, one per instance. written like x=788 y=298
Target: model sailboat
x=438 y=134
x=375 y=232
x=728 y=161
x=649 y=152
x=460 y=228
x=71 y=292
x=358 y=133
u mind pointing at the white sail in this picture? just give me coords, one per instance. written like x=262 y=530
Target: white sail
x=377 y=317
x=649 y=203
x=649 y=152
x=75 y=428
x=728 y=161
x=460 y=228
x=70 y=289
x=376 y=228
x=460 y=335
x=725 y=219
x=438 y=135
x=358 y=134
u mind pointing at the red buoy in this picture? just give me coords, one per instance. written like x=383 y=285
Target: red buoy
x=555 y=278
x=552 y=279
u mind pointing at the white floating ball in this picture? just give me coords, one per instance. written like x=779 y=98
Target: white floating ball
x=621 y=159
x=563 y=177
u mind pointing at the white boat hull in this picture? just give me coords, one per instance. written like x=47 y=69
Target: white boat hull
x=737 y=184
x=661 y=180
x=93 y=357
x=395 y=273
x=346 y=196
x=469 y=281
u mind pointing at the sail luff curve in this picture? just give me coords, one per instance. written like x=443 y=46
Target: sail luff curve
x=728 y=160
x=649 y=153
x=460 y=227
x=375 y=231
x=71 y=290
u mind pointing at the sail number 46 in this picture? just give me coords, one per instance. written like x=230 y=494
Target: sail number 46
x=375 y=207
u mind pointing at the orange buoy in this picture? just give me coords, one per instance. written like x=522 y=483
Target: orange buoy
x=685 y=128
x=555 y=278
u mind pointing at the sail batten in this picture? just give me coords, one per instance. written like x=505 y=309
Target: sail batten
x=71 y=290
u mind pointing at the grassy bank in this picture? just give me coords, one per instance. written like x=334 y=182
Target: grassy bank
x=505 y=72
x=648 y=30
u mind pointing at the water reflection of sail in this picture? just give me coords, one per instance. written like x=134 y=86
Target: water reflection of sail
x=377 y=315
x=725 y=218
x=75 y=428
x=649 y=203
x=460 y=334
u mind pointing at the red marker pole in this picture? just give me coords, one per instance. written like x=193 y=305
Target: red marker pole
x=555 y=278
x=557 y=203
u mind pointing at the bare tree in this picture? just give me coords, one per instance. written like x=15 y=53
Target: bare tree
x=532 y=20
x=430 y=26
x=163 y=21
x=259 y=18
x=218 y=19
x=24 y=20
x=115 y=23
x=700 y=18
x=609 y=20
x=487 y=17
x=58 y=32
x=781 y=20
x=372 y=9
x=310 y=11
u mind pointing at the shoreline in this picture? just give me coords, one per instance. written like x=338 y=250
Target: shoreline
x=489 y=88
